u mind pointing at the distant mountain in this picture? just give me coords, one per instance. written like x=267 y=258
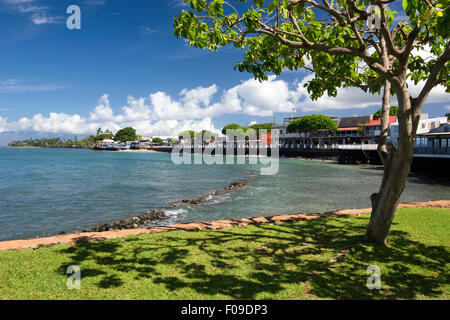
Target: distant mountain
x=7 y=137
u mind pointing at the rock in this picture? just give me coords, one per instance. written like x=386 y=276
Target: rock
x=159 y=214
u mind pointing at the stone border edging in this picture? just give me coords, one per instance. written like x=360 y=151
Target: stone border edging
x=205 y=225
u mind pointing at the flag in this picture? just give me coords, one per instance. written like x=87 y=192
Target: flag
x=294 y=111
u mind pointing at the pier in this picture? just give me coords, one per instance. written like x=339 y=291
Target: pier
x=430 y=161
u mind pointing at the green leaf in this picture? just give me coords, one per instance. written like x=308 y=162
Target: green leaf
x=259 y=3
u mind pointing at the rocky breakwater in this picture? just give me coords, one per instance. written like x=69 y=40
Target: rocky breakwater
x=209 y=196
x=132 y=223
x=155 y=215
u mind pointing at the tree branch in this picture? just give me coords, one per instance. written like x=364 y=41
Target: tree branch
x=433 y=80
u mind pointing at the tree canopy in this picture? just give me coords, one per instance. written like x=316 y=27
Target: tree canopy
x=331 y=38
x=253 y=129
x=344 y=43
x=102 y=135
x=187 y=133
x=88 y=142
x=126 y=134
x=392 y=112
x=198 y=135
x=208 y=134
x=231 y=126
x=312 y=124
x=157 y=140
x=262 y=126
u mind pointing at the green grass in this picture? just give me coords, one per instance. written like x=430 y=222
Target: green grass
x=281 y=261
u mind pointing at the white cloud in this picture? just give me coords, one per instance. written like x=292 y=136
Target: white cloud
x=3 y=124
x=356 y=98
x=136 y=114
x=44 y=18
x=147 y=30
x=8 y=82
x=95 y=2
x=103 y=111
x=163 y=114
x=14 y=86
x=38 y=14
x=17 y=1
x=178 y=3
x=262 y=98
x=346 y=98
x=32 y=9
x=438 y=93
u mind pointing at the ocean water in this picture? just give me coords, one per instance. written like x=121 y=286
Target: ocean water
x=46 y=191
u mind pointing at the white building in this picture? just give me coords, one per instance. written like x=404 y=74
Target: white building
x=425 y=125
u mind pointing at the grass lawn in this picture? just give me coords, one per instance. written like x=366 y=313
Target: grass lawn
x=324 y=258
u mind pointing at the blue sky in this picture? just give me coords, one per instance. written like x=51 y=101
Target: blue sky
x=125 y=67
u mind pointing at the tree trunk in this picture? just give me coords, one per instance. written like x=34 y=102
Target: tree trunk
x=397 y=164
x=384 y=203
x=384 y=130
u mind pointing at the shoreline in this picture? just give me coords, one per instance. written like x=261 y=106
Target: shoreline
x=138 y=151
x=78 y=238
x=150 y=217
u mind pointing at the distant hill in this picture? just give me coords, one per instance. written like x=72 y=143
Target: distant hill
x=7 y=137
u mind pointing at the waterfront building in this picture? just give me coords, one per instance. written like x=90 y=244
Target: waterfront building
x=355 y=130
x=298 y=140
x=145 y=142
x=435 y=143
x=286 y=140
x=426 y=125
x=135 y=145
x=108 y=144
x=350 y=129
x=372 y=130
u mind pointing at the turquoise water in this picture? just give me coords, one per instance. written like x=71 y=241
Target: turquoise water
x=45 y=191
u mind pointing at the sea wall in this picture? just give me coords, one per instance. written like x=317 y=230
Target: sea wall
x=206 y=225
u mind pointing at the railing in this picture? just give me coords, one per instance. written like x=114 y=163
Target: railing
x=368 y=147
x=365 y=147
x=357 y=147
x=432 y=150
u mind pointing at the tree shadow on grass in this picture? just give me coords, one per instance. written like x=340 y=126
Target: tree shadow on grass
x=323 y=258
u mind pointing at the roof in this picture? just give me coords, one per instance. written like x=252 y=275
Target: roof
x=348 y=129
x=346 y=122
x=392 y=119
x=435 y=134
x=279 y=126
